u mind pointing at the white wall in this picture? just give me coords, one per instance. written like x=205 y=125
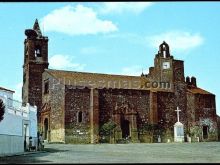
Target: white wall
x=10 y=144
x=12 y=126
x=33 y=121
x=8 y=95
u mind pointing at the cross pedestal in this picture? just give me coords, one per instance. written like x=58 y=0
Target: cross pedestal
x=178 y=129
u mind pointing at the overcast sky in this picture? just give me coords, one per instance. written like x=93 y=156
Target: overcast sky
x=114 y=38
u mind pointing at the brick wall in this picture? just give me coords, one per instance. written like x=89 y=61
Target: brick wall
x=205 y=111
x=77 y=100
x=136 y=99
x=55 y=100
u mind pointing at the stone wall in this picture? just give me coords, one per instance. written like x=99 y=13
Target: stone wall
x=206 y=115
x=35 y=84
x=56 y=101
x=135 y=99
x=191 y=114
x=201 y=111
x=57 y=97
x=167 y=116
x=218 y=125
x=76 y=101
x=33 y=69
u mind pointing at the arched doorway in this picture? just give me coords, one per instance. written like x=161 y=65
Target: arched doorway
x=125 y=128
x=45 y=128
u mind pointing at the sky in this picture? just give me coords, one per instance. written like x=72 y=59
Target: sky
x=114 y=38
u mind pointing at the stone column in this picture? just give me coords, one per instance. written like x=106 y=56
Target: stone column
x=94 y=115
x=134 y=132
x=118 y=131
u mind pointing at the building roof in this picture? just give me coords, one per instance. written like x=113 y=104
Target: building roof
x=97 y=80
x=199 y=91
x=1 y=88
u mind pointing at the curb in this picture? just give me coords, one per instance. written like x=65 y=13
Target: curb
x=20 y=154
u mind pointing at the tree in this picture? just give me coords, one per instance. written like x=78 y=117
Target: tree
x=2 y=110
x=107 y=128
x=106 y=131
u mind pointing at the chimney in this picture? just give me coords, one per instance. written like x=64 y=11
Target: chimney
x=193 y=81
x=188 y=80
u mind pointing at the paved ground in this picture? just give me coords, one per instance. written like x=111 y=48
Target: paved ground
x=123 y=153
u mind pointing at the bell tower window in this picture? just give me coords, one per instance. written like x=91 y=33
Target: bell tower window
x=164 y=53
x=164 y=50
x=37 y=52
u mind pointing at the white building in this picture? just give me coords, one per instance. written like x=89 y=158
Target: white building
x=19 y=123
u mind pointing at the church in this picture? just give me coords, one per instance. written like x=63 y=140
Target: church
x=82 y=107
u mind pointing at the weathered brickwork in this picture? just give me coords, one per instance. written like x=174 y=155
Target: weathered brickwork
x=111 y=99
x=35 y=86
x=80 y=107
x=205 y=115
x=77 y=101
x=201 y=112
x=166 y=114
x=35 y=61
x=120 y=104
x=54 y=103
x=218 y=126
x=191 y=109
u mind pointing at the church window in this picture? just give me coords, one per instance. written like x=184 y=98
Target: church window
x=46 y=87
x=80 y=117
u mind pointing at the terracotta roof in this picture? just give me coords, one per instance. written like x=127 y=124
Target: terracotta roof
x=1 y=88
x=199 y=91
x=97 y=80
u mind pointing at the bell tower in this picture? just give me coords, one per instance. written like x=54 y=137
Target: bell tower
x=35 y=62
x=163 y=64
x=166 y=68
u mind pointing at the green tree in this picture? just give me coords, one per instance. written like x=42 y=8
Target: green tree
x=2 y=110
x=107 y=128
x=106 y=131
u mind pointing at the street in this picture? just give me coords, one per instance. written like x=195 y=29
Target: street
x=208 y=152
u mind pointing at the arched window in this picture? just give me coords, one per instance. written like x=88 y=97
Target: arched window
x=46 y=87
x=164 y=53
x=80 y=117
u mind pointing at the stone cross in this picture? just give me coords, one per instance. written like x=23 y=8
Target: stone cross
x=178 y=110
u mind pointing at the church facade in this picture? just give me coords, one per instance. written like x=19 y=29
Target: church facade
x=81 y=107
